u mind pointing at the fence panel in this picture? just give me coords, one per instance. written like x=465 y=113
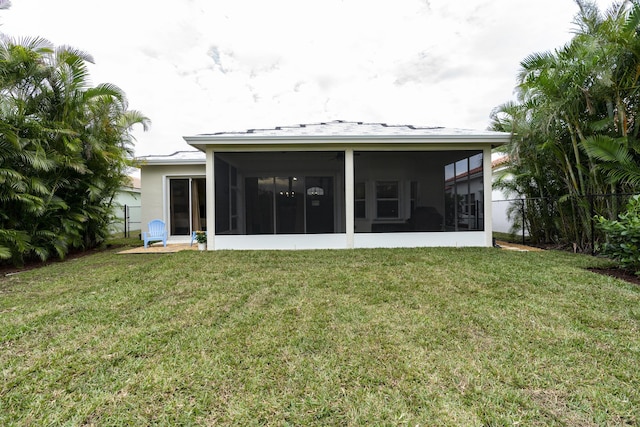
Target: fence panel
x=567 y=221
x=127 y=218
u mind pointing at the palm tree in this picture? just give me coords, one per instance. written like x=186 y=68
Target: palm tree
x=576 y=110
x=64 y=148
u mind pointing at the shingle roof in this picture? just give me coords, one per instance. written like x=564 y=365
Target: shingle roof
x=347 y=128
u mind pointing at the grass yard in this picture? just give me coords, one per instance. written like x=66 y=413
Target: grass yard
x=353 y=337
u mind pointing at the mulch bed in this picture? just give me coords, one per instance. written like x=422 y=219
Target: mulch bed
x=7 y=270
x=618 y=273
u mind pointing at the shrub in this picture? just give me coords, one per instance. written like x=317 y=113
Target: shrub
x=623 y=236
x=201 y=236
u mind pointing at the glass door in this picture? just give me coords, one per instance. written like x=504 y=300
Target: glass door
x=319 y=206
x=187 y=205
x=289 y=205
x=179 y=207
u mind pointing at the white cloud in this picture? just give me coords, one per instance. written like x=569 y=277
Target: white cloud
x=202 y=66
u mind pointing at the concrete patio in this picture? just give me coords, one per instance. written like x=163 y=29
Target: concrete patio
x=157 y=248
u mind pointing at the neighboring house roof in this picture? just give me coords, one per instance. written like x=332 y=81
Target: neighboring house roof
x=133 y=183
x=471 y=173
x=344 y=131
x=136 y=182
x=500 y=161
x=179 y=157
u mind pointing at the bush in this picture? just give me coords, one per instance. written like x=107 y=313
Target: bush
x=623 y=236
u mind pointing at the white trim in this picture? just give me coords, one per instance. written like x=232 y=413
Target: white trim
x=340 y=240
x=281 y=241
x=364 y=144
x=202 y=141
x=210 y=196
x=488 y=196
x=166 y=197
x=349 y=196
x=416 y=240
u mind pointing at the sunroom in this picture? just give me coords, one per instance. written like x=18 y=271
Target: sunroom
x=336 y=185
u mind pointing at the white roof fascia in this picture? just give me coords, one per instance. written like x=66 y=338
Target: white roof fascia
x=177 y=158
x=166 y=162
x=202 y=141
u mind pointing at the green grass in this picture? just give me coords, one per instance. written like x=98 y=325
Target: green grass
x=118 y=239
x=361 y=337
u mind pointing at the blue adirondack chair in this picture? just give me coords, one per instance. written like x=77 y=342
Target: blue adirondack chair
x=157 y=232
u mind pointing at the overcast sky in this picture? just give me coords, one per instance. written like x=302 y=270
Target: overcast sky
x=201 y=66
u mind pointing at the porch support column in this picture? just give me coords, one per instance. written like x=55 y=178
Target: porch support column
x=488 y=204
x=349 y=203
x=211 y=200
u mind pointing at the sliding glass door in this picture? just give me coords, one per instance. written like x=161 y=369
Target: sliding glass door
x=179 y=206
x=289 y=205
x=187 y=205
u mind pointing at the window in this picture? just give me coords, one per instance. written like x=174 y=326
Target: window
x=464 y=193
x=360 y=200
x=387 y=199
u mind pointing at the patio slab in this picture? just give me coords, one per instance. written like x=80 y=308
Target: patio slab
x=157 y=248
x=516 y=247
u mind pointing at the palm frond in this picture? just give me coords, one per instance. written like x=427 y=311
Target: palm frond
x=633 y=19
x=607 y=149
x=70 y=51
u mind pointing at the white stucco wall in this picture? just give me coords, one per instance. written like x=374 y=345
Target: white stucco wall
x=154 y=183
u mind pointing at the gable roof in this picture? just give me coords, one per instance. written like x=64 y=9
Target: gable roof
x=340 y=130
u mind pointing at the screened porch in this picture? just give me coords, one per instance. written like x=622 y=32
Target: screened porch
x=298 y=193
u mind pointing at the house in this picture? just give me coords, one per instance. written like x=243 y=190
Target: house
x=507 y=205
x=326 y=185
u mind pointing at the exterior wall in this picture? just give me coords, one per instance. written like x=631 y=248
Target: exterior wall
x=420 y=240
x=282 y=241
x=501 y=222
x=154 y=182
x=501 y=205
x=154 y=200
x=340 y=241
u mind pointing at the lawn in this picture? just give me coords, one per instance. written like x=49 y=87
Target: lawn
x=352 y=337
